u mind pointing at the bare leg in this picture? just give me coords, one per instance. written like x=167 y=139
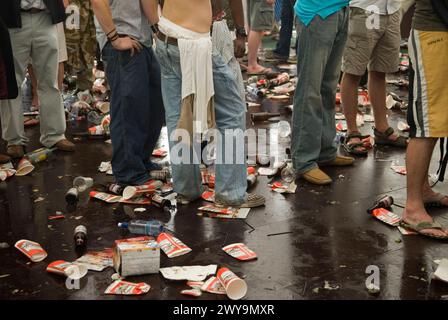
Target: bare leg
x=35 y=102
x=254 y=42
x=418 y=157
x=377 y=93
x=349 y=94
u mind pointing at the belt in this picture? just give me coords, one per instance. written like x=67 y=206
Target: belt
x=33 y=10
x=164 y=38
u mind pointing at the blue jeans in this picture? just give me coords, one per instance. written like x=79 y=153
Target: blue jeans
x=320 y=48
x=137 y=112
x=230 y=109
x=287 y=20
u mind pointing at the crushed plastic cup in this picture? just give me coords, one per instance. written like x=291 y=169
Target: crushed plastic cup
x=104 y=107
x=134 y=191
x=121 y=287
x=32 y=250
x=68 y=269
x=172 y=246
x=83 y=183
x=25 y=167
x=240 y=251
x=236 y=288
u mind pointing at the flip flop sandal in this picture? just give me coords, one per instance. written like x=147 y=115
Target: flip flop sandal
x=382 y=138
x=436 y=201
x=263 y=72
x=352 y=147
x=424 y=226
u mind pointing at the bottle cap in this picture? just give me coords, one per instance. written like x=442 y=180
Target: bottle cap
x=123 y=225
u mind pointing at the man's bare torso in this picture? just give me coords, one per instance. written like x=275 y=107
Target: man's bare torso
x=195 y=15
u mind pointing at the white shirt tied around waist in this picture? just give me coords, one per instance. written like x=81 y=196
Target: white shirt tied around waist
x=385 y=7
x=32 y=4
x=197 y=69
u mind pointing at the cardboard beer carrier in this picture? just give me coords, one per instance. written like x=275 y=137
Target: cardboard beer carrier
x=136 y=256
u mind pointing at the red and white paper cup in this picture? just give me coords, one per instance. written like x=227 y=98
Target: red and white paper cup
x=25 y=167
x=236 y=288
x=68 y=269
x=32 y=250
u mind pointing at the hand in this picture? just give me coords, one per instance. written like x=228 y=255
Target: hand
x=127 y=43
x=240 y=47
x=271 y=2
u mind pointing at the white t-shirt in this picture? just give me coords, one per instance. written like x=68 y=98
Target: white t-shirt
x=383 y=7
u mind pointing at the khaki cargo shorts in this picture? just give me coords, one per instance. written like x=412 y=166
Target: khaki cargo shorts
x=377 y=47
x=260 y=15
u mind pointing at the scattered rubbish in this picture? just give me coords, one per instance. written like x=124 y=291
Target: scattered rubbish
x=240 y=251
x=372 y=288
x=4 y=275
x=6 y=171
x=68 y=269
x=316 y=290
x=386 y=216
x=172 y=246
x=116 y=276
x=115 y=188
x=236 y=288
x=279 y=234
x=212 y=211
x=97 y=260
x=135 y=191
x=383 y=202
x=80 y=237
x=162 y=203
x=4 y=245
x=39 y=155
x=191 y=273
x=150 y=228
x=24 y=168
x=283 y=188
x=136 y=256
x=109 y=198
x=441 y=272
x=105 y=167
x=82 y=183
x=341 y=126
x=161 y=153
x=59 y=215
x=192 y=292
x=32 y=250
x=398 y=240
x=339 y=116
x=139 y=210
x=399 y=169
x=329 y=286
x=263 y=116
x=213 y=285
x=403 y=126
x=208 y=195
x=72 y=196
x=121 y=287
x=39 y=199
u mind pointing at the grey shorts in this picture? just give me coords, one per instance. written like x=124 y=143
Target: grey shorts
x=377 y=47
x=260 y=15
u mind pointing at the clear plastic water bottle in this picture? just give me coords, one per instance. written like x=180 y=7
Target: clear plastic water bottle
x=27 y=94
x=150 y=228
x=288 y=174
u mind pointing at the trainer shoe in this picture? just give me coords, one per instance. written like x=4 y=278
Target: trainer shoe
x=252 y=201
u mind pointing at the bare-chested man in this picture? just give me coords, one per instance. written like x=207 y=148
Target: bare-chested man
x=193 y=66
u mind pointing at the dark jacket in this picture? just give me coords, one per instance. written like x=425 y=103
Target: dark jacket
x=441 y=8
x=8 y=82
x=11 y=15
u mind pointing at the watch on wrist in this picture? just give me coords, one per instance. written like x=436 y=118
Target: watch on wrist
x=241 y=32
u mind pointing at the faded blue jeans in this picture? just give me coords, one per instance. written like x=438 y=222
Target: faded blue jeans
x=230 y=109
x=319 y=54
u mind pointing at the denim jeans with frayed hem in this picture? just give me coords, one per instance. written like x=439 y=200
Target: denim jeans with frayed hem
x=320 y=48
x=230 y=110
x=137 y=112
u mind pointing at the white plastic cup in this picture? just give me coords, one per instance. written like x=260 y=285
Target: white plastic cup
x=83 y=183
x=236 y=288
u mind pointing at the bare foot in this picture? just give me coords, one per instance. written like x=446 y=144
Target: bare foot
x=430 y=195
x=258 y=69
x=418 y=216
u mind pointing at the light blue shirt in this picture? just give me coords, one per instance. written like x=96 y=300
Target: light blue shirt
x=306 y=10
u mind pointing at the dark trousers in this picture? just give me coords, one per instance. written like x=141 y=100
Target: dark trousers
x=137 y=111
x=287 y=20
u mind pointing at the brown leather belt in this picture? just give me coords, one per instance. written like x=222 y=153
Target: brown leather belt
x=164 y=38
x=33 y=10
